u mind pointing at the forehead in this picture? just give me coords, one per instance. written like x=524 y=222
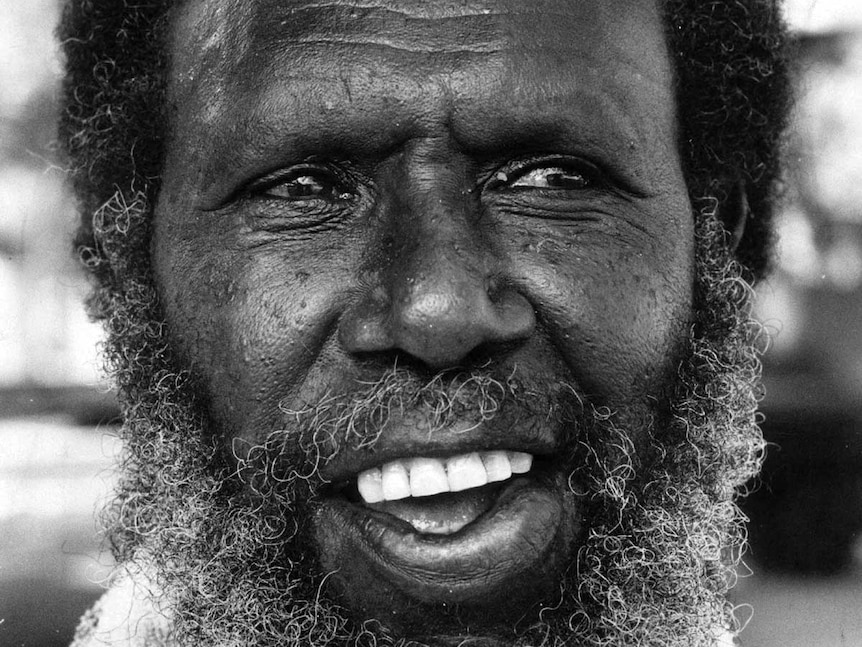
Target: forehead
x=285 y=70
x=251 y=29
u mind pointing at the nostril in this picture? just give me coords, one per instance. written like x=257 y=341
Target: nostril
x=441 y=319
x=446 y=330
x=438 y=331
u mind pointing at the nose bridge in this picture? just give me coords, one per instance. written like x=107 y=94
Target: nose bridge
x=441 y=273
x=438 y=298
x=438 y=246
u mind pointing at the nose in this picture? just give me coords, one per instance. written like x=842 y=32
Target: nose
x=441 y=294
x=438 y=319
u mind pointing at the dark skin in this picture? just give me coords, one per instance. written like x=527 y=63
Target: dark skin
x=447 y=185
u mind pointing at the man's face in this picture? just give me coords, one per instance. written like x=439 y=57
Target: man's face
x=482 y=195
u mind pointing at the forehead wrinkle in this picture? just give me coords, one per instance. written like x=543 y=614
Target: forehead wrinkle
x=400 y=47
x=233 y=36
x=440 y=9
x=308 y=85
x=339 y=25
x=415 y=8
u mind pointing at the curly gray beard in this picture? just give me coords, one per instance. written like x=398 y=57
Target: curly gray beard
x=231 y=555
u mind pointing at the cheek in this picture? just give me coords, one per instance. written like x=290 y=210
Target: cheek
x=248 y=324
x=618 y=315
x=270 y=337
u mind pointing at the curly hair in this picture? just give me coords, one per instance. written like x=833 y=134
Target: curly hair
x=731 y=67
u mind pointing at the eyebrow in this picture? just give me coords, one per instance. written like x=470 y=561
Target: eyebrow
x=286 y=121
x=277 y=133
x=613 y=144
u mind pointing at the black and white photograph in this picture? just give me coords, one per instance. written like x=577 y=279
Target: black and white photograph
x=430 y=323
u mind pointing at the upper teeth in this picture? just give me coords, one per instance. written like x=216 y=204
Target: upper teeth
x=426 y=476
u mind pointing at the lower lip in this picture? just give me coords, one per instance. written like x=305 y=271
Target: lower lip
x=510 y=542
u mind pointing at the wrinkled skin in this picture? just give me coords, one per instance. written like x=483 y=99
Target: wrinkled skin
x=444 y=187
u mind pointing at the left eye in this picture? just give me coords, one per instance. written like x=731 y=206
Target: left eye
x=552 y=177
x=303 y=185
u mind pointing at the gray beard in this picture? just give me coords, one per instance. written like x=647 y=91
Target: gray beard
x=231 y=556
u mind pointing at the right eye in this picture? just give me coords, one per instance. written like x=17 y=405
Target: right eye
x=303 y=197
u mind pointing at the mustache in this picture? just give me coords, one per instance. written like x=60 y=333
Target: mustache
x=316 y=432
x=358 y=419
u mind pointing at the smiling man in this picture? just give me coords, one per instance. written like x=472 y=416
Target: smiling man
x=429 y=318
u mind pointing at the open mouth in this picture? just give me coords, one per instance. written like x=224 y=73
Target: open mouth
x=438 y=495
x=451 y=529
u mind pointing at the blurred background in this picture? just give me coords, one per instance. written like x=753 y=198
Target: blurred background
x=57 y=412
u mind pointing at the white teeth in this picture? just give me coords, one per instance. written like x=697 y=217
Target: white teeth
x=396 y=482
x=498 y=466
x=520 y=462
x=428 y=476
x=370 y=485
x=465 y=472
